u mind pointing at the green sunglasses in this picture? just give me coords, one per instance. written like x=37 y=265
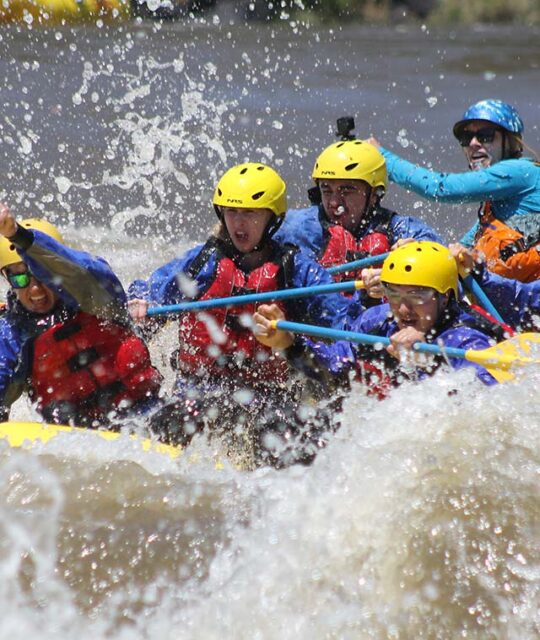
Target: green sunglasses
x=19 y=280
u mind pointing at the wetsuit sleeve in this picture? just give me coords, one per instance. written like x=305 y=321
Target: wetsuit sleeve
x=78 y=278
x=328 y=364
x=468 y=338
x=409 y=227
x=170 y=284
x=328 y=310
x=302 y=228
x=518 y=302
x=500 y=181
x=10 y=349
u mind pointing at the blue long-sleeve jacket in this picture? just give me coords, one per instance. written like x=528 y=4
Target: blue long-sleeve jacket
x=303 y=228
x=314 y=359
x=170 y=285
x=512 y=186
x=81 y=281
x=517 y=302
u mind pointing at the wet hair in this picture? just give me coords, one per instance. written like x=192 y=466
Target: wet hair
x=512 y=145
x=219 y=230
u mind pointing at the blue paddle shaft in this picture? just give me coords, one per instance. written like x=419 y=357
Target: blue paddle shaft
x=477 y=291
x=299 y=292
x=364 y=338
x=356 y=264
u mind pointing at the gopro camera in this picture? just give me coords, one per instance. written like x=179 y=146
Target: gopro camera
x=344 y=127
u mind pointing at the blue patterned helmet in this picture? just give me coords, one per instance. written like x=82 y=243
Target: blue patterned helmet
x=500 y=113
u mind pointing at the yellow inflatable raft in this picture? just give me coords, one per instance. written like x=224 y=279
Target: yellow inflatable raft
x=26 y=434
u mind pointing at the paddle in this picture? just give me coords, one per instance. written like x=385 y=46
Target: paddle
x=282 y=294
x=298 y=292
x=482 y=298
x=497 y=359
x=364 y=262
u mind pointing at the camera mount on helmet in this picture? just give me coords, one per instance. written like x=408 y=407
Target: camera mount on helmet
x=344 y=127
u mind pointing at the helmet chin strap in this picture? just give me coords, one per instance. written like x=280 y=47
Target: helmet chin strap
x=444 y=312
x=442 y=302
x=369 y=206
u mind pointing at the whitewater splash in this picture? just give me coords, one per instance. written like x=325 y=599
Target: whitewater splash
x=138 y=142
x=420 y=519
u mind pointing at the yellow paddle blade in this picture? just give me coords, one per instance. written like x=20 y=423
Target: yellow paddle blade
x=506 y=355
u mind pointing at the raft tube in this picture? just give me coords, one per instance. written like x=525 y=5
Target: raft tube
x=27 y=434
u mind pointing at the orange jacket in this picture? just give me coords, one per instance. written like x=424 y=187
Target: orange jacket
x=508 y=253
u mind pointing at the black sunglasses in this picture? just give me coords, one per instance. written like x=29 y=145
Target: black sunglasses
x=482 y=135
x=19 y=280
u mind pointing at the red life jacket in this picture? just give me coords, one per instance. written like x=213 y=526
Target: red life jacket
x=374 y=377
x=508 y=253
x=341 y=246
x=374 y=244
x=217 y=341
x=91 y=366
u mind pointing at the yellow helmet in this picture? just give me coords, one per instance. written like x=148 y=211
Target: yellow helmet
x=422 y=264
x=252 y=185
x=8 y=253
x=352 y=160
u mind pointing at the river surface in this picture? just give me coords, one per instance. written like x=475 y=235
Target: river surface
x=421 y=519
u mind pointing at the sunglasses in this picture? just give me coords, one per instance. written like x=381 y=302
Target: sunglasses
x=19 y=280
x=413 y=298
x=483 y=135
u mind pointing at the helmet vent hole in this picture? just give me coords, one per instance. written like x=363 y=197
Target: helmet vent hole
x=339 y=145
x=257 y=195
x=391 y=266
x=408 y=268
x=220 y=192
x=351 y=167
x=260 y=168
x=242 y=171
